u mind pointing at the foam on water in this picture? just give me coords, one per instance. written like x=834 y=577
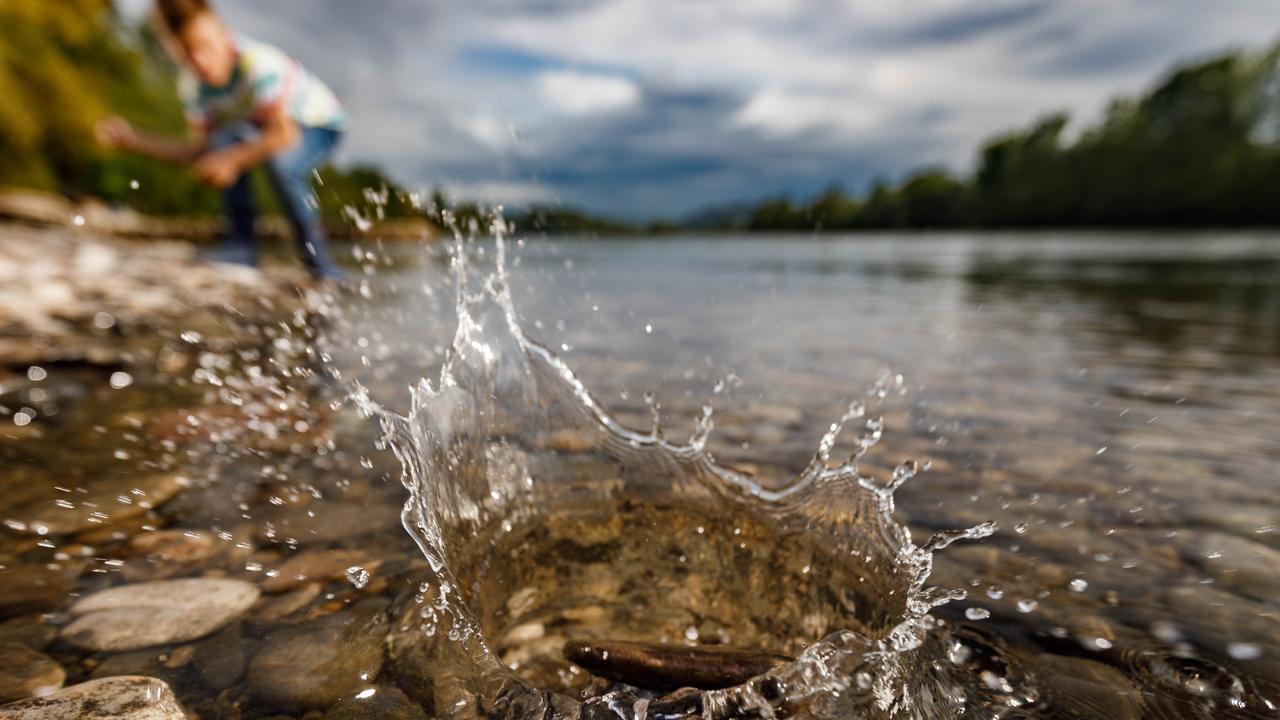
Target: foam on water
x=508 y=439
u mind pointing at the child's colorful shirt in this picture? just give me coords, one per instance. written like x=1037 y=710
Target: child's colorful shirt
x=264 y=77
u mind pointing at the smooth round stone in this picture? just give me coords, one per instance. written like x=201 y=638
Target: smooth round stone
x=103 y=503
x=30 y=631
x=26 y=673
x=1240 y=564
x=1087 y=689
x=168 y=553
x=316 y=665
x=220 y=658
x=130 y=617
x=316 y=565
x=275 y=607
x=117 y=698
x=33 y=588
x=377 y=703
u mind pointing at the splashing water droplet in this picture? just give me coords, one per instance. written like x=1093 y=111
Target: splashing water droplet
x=1244 y=650
x=490 y=503
x=357 y=576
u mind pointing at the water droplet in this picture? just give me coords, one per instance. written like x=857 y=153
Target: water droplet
x=35 y=373
x=357 y=576
x=1079 y=585
x=977 y=613
x=691 y=633
x=1026 y=606
x=120 y=380
x=78 y=220
x=1244 y=651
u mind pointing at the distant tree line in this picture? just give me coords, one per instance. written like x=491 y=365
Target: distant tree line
x=1202 y=148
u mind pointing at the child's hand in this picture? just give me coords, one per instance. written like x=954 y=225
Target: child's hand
x=115 y=132
x=220 y=169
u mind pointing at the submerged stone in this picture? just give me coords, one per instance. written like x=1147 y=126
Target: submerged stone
x=116 y=698
x=102 y=503
x=665 y=667
x=377 y=703
x=30 y=631
x=26 y=673
x=316 y=565
x=314 y=666
x=130 y=617
x=33 y=588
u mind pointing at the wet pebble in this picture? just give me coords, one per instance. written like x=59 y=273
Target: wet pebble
x=220 y=658
x=149 y=663
x=168 y=553
x=316 y=565
x=1087 y=689
x=315 y=665
x=29 y=631
x=377 y=703
x=26 y=673
x=330 y=522
x=277 y=607
x=1236 y=518
x=32 y=588
x=102 y=503
x=129 y=617
x=115 y=698
x=1240 y=564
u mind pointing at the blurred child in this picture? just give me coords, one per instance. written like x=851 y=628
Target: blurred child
x=248 y=104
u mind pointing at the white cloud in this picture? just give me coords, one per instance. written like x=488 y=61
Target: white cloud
x=579 y=93
x=781 y=113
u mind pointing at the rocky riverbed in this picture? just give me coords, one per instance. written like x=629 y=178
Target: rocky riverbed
x=191 y=517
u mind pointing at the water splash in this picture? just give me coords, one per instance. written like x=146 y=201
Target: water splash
x=508 y=449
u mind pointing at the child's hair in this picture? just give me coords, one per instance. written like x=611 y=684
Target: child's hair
x=176 y=14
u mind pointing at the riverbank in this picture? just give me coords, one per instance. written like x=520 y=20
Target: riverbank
x=76 y=296
x=45 y=210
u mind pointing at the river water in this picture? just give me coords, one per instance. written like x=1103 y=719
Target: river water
x=1108 y=401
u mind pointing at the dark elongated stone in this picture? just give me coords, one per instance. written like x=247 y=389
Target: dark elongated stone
x=666 y=667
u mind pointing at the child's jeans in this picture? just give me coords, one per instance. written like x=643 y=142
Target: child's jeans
x=290 y=174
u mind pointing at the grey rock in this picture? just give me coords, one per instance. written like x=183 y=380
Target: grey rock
x=313 y=666
x=220 y=659
x=130 y=617
x=117 y=698
x=26 y=673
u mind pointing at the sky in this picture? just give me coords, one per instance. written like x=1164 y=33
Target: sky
x=657 y=108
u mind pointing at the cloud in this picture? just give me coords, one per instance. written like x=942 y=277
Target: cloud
x=657 y=107
x=578 y=93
